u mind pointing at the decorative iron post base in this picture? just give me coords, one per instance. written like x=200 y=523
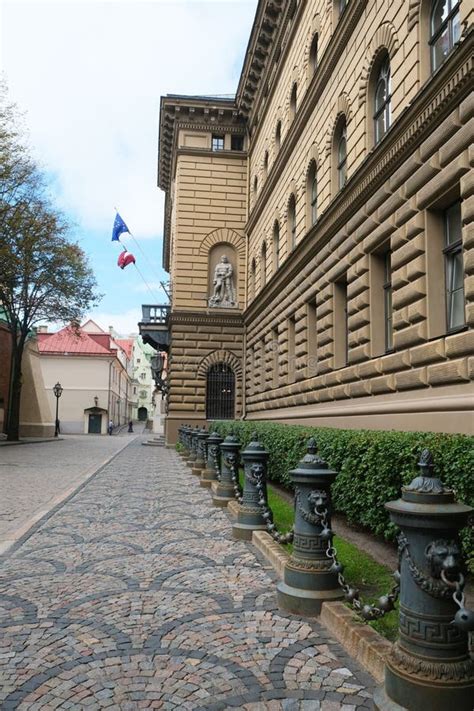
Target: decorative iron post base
x=211 y=473
x=223 y=490
x=200 y=462
x=309 y=578
x=429 y=666
x=249 y=514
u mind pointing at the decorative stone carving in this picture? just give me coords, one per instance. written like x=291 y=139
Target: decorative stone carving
x=224 y=290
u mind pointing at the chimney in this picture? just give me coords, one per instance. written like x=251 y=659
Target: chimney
x=111 y=330
x=42 y=329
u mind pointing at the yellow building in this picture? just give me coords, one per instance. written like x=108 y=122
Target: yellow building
x=319 y=227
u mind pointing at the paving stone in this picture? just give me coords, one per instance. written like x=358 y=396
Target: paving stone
x=129 y=597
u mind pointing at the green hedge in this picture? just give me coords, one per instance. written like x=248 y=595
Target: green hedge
x=372 y=466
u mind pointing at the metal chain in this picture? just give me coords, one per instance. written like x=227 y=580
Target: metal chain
x=231 y=462
x=215 y=453
x=267 y=513
x=368 y=611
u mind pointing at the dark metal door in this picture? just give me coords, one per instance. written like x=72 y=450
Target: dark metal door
x=220 y=393
x=95 y=424
x=142 y=414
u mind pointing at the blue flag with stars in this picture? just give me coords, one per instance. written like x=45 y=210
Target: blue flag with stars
x=118 y=228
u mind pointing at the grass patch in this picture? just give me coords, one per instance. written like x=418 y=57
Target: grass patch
x=360 y=569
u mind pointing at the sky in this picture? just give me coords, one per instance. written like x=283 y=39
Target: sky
x=88 y=76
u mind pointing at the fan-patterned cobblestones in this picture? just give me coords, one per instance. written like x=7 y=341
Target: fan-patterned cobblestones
x=134 y=595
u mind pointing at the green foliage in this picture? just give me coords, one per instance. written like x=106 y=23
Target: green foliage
x=179 y=447
x=372 y=466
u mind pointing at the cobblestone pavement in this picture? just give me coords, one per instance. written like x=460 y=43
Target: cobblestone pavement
x=134 y=595
x=33 y=475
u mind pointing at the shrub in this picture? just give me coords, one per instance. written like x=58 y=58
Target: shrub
x=372 y=466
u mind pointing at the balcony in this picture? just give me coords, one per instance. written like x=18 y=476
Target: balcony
x=154 y=326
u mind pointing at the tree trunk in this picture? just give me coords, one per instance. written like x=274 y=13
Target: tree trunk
x=13 y=415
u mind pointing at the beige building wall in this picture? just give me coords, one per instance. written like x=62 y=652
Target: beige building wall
x=314 y=342
x=36 y=416
x=295 y=370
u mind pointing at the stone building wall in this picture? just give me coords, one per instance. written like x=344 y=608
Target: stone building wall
x=297 y=368
x=209 y=214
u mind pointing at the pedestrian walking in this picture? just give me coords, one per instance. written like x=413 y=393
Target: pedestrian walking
x=130 y=426
x=110 y=427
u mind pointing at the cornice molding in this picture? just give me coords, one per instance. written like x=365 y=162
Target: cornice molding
x=436 y=99
x=206 y=318
x=336 y=47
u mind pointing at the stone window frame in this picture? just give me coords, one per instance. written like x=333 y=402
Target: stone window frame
x=453 y=249
x=252 y=279
x=275 y=351
x=448 y=24
x=263 y=264
x=313 y=55
x=311 y=193
x=380 y=76
x=312 y=336
x=339 y=172
x=291 y=222
x=340 y=320
x=380 y=301
x=278 y=136
x=276 y=232
x=293 y=102
x=265 y=164
x=291 y=348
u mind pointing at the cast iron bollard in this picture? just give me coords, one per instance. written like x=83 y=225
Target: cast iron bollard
x=223 y=490
x=212 y=471
x=193 y=448
x=249 y=516
x=310 y=577
x=201 y=456
x=186 y=443
x=429 y=666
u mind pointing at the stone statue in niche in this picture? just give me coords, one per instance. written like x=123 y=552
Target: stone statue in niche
x=224 y=292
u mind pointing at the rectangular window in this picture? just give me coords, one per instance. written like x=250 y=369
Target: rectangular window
x=291 y=350
x=217 y=142
x=237 y=143
x=311 y=339
x=387 y=300
x=275 y=351
x=341 y=355
x=454 y=269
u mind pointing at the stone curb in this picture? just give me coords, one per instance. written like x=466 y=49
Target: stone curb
x=23 y=532
x=17 y=443
x=361 y=641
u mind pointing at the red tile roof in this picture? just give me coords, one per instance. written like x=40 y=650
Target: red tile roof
x=126 y=344
x=75 y=343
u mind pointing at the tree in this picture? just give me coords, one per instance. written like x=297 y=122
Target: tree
x=44 y=275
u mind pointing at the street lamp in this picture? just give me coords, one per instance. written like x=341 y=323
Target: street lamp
x=58 y=391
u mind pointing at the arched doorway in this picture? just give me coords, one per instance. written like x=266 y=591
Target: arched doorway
x=220 y=392
x=142 y=414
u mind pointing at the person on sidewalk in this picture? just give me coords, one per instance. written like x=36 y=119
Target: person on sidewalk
x=110 y=427
x=130 y=426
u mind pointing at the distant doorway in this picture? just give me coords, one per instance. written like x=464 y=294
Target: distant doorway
x=95 y=424
x=142 y=414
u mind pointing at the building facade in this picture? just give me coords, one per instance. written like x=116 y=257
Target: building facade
x=338 y=186
x=95 y=375
x=143 y=385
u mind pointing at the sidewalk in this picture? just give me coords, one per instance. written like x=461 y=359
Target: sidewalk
x=36 y=477
x=133 y=595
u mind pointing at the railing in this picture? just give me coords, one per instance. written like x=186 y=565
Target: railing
x=155 y=313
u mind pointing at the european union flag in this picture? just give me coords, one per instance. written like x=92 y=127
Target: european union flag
x=118 y=228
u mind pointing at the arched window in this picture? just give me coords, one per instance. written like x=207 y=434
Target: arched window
x=253 y=270
x=445 y=30
x=340 y=142
x=263 y=262
x=278 y=136
x=293 y=97
x=255 y=187
x=291 y=222
x=312 y=194
x=313 y=55
x=276 y=245
x=382 y=101
x=265 y=164
x=220 y=392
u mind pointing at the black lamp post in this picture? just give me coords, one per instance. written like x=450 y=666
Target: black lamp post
x=58 y=391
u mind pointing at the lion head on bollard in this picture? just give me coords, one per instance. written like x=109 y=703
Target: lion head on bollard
x=317 y=499
x=257 y=473
x=443 y=557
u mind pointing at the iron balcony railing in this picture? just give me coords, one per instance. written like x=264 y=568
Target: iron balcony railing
x=152 y=313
